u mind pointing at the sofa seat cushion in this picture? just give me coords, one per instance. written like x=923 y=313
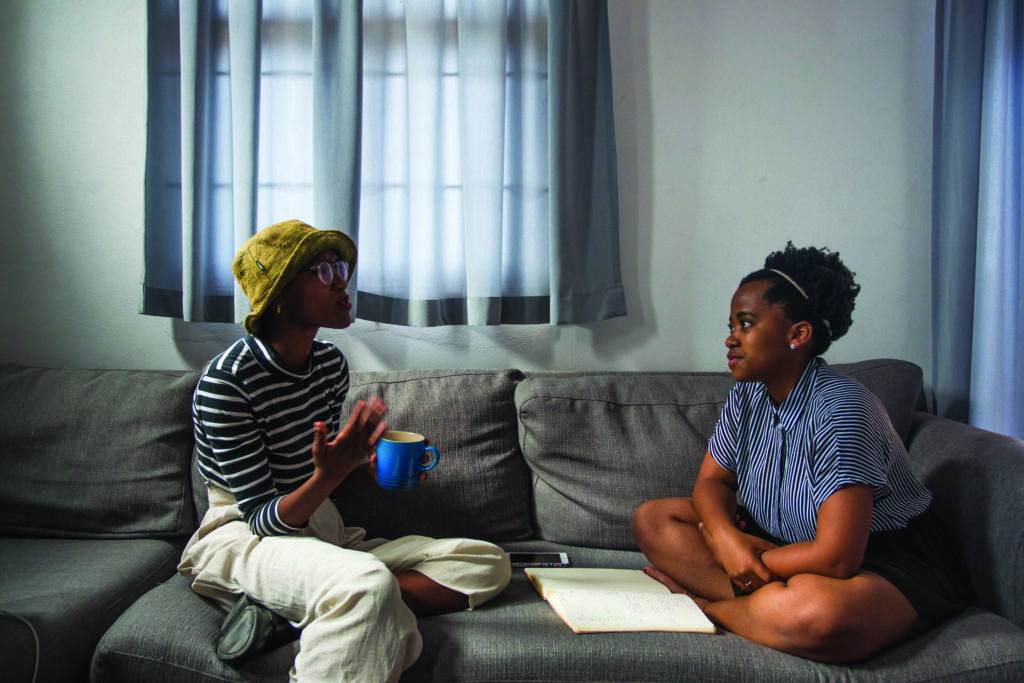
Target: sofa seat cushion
x=58 y=596
x=170 y=635
x=518 y=637
x=480 y=489
x=95 y=453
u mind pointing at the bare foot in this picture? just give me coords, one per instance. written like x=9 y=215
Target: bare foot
x=670 y=583
x=664 y=579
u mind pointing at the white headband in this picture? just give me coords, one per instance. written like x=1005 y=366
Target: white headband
x=792 y=282
x=800 y=289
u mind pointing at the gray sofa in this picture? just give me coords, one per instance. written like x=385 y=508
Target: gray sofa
x=98 y=495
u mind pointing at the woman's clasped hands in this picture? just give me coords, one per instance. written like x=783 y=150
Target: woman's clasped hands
x=739 y=554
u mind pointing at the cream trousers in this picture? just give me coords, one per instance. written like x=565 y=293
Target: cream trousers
x=336 y=585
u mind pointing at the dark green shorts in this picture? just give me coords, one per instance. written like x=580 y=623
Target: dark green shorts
x=918 y=560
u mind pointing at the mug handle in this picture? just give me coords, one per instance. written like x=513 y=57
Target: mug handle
x=433 y=461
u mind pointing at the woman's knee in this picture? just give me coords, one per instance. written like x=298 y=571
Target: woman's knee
x=652 y=516
x=371 y=583
x=646 y=518
x=496 y=570
x=497 y=565
x=813 y=619
x=479 y=569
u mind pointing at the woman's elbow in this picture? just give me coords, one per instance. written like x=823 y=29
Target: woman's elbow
x=844 y=567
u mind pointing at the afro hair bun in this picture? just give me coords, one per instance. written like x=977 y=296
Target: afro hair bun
x=828 y=283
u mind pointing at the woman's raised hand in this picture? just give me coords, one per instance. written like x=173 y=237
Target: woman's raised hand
x=351 y=447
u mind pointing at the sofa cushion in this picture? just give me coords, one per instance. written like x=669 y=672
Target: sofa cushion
x=20 y=649
x=58 y=596
x=897 y=383
x=95 y=453
x=169 y=636
x=976 y=478
x=599 y=445
x=481 y=487
x=518 y=637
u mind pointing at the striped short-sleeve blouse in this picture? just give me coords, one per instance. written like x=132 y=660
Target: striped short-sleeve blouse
x=254 y=424
x=830 y=432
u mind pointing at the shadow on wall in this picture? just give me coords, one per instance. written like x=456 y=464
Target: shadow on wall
x=458 y=346
x=199 y=342
x=21 y=171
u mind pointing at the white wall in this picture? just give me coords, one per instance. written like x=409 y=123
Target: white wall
x=740 y=125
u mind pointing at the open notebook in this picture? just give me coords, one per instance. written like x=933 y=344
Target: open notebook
x=607 y=600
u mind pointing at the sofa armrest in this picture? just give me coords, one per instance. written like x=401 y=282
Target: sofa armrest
x=977 y=478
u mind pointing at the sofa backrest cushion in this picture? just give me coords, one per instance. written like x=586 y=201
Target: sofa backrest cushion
x=481 y=487
x=95 y=453
x=897 y=383
x=601 y=444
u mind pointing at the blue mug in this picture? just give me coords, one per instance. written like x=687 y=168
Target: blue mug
x=400 y=460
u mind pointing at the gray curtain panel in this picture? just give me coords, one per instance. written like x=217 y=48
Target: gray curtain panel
x=585 y=278
x=469 y=148
x=978 y=238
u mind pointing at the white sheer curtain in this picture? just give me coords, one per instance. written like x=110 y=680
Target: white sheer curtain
x=454 y=183
x=422 y=128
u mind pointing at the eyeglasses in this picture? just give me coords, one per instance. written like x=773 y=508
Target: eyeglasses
x=328 y=271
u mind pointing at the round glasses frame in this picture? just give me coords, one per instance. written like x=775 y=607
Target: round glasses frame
x=328 y=271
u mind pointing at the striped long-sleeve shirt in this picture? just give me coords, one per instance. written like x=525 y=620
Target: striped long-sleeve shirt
x=254 y=424
x=830 y=432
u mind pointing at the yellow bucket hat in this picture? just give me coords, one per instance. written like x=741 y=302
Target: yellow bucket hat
x=273 y=256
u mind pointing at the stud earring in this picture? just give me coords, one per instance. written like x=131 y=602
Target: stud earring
x=792 y=347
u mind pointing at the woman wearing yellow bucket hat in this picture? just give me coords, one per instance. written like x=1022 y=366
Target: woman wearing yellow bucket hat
x=272 y=447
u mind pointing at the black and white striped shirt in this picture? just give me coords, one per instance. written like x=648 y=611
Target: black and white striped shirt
x=254 y=424
x=830 y=432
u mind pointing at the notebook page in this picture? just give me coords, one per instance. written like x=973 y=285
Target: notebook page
x=587 y=611
x=549 y=580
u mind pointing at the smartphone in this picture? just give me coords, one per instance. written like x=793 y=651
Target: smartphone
x=546 y=559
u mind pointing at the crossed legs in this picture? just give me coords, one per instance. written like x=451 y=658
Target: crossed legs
x=812 y=616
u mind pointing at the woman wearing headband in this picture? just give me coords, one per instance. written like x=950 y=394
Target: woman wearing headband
x=273 y=444
x=836 y=554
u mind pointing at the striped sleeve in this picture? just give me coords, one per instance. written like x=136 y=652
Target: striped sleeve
x=724 y=440
x=850 y=449
x=230 y=443
x=342 y=384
